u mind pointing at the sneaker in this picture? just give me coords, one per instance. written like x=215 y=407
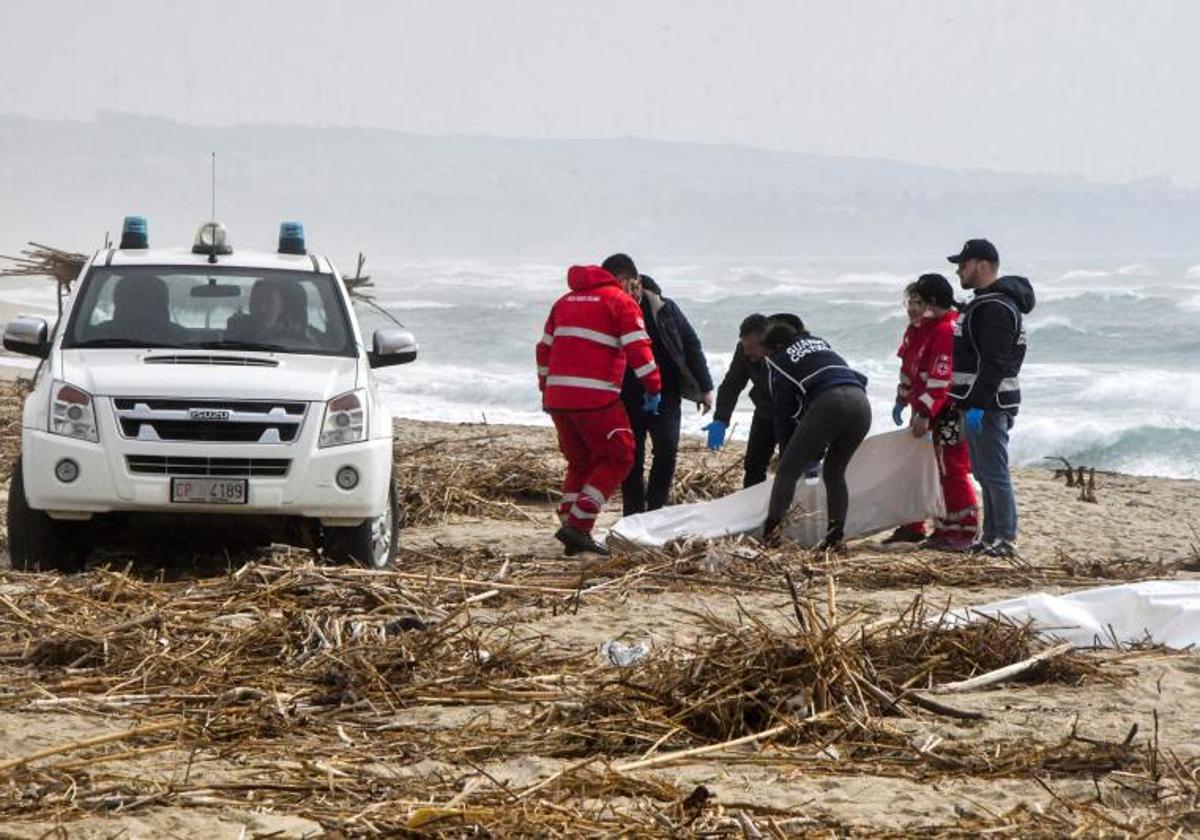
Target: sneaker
x=978 y=547
x=576 y=541
x=904 y=534
x=1001 y=548
x=955 y=545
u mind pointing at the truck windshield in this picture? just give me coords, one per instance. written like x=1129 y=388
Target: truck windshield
x=210 y=308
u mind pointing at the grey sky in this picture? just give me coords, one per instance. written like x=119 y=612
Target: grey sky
x=1101 y=88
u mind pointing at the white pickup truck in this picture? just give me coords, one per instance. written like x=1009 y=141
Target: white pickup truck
x=205 y=382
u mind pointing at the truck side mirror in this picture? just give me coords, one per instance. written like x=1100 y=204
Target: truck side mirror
x=28 y=336
x=392 y=346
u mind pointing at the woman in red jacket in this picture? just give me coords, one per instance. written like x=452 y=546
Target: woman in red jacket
x=929 y=366
x=916 y=334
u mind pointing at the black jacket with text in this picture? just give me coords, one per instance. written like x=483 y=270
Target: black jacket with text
x=799 y=373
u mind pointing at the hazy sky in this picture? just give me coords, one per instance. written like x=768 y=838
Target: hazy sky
x=1101 y=88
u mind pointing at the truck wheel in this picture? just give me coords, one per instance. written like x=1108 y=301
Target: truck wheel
x=37 y=542
x=371 y=543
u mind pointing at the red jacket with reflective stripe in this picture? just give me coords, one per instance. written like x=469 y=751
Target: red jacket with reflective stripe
x=927 y=364
x=591 y=332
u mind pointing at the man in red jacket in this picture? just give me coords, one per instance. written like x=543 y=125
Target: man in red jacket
x=592 y=332
x=929 y=364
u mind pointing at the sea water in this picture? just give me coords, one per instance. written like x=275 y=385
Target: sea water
x=1111 y=378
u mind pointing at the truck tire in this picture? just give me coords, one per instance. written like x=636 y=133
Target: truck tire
x=371 y=543
x=37 y=542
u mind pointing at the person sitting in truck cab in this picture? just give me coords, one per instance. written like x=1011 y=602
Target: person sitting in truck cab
x=265 y=320
x=295 y=314
x=278 y=312
x=141 y=312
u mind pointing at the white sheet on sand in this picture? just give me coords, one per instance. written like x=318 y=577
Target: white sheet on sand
x=893 y=479
x=1163 y=611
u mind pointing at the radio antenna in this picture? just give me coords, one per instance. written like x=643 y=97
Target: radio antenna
x=213 y=217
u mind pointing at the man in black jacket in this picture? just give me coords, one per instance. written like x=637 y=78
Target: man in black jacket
x=989 y=348
x=685 y=375
x=748 y=366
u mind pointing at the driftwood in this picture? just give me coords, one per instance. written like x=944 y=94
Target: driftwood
x=44 y=261
x=1002 y=674
x=1082 y=477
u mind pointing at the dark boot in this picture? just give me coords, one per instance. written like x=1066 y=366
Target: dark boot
x=576 y=541
x=772 y=534
x=904 y=534
x=834 y=536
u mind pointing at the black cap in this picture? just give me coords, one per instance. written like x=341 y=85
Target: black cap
x=935 y=289
x=976 y=249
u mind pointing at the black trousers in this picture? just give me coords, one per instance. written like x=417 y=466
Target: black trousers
x=638 y=495
x=838 y=419
x=759 y=448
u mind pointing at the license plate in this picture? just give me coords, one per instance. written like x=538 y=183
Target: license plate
x=209 y=491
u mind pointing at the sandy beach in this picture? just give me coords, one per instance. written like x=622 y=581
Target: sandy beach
x=257 y=693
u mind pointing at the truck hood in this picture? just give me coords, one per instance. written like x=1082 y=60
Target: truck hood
x=209 y=374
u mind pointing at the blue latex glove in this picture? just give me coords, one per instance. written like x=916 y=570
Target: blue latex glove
x=898 y=414
x=651 y=402
x=716 y=434
x=973 y=421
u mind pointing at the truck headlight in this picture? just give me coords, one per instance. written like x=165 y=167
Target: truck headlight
x=345 y=420
x=72 y=412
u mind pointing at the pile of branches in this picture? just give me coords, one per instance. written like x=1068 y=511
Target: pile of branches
x=887 y=570
x=488 y=475
x=291 y=678
x=44 y=261
x=742 y=563
x=12 y=400
x=478 y=475
x=824 y=676
x=701 y=475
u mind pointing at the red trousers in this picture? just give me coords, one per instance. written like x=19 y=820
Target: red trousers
x=598 y=446
x=962 y=515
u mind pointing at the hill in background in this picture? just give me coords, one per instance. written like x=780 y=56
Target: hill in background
x=399 y=195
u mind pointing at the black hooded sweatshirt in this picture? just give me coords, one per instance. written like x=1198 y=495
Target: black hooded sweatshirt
x=989 y=346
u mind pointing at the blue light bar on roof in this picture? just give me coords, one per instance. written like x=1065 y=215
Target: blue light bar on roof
x=133 y=233
x=291 y=238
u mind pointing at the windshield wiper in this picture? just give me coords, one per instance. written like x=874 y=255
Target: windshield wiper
x=122 y=342
x=228 y=344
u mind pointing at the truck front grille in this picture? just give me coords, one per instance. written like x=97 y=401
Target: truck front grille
x=216 y=467
x=236 y=361
x=208 y=420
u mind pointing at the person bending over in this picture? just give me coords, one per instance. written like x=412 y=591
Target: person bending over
x=820 y=405
x=749 y=366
